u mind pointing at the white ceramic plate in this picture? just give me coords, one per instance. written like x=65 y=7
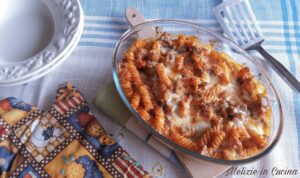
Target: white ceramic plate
x=47 y=70
x=37 y=36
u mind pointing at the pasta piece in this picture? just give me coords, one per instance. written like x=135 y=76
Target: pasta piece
x=143 y=113
x=221 y=74
x=181 y=41
x=129 y=56
x=164 y=93
x=191 y=132
x=217 y=70
x=216 y=121
x=159 y=119
x=213 y=137
x=146 y=98
x=154 y=55
x=204 y=150
x=183 y=107
x=214 y=56
x=217 y=155
x=140 y=54
x=260 y=140
x=191 y=84
x=191 y=41
x=217 y=139
x=195 y=81
x=135 y=100
x=187 y=72
x=207 y=112
x=244 y=135
x=183 y=141
x=162 y=74
x=248 y=143
x=125 y=83
x=140 y=63
x=156 y=45
x=205 y=138
x=139 y=43
x=252 y=90
x=179 y=62
x=243 y=74
x=249 y=151
x=135 y=75
x=224 y=78
x=199 y=64
x=234 y=136
x=211 y=96
x=142 y=89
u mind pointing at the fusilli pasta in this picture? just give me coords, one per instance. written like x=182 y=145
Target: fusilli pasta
x=196 y=96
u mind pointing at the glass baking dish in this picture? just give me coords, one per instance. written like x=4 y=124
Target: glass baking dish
x=221 y=44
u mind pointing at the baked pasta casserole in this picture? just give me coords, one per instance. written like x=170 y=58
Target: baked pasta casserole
x=196 y=96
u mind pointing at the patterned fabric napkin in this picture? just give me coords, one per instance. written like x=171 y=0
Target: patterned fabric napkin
x=65 y=141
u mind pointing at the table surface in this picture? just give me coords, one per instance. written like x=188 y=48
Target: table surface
x=89 y=67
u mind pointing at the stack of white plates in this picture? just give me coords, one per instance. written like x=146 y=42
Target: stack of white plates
x=36 y=37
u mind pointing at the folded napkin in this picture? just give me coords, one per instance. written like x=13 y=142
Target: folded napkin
x=109 y=102
x=65 y=141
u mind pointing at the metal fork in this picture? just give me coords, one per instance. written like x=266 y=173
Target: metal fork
x=239 y=23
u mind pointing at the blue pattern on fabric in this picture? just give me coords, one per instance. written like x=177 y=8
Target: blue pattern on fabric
x=149 y=8
x=297 y=36
x=90 y=166
x=7 y=157
x=292 y=67
x=18 y=104
x=105 y=150
x=28 y=172
x=48 y=133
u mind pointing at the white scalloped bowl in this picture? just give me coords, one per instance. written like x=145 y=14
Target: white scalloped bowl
x=36 y=36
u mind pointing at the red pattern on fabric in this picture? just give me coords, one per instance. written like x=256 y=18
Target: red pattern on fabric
x=64 y=106
x=128 y=168
x=2 y=130
x=5 y=105
x=119 y=162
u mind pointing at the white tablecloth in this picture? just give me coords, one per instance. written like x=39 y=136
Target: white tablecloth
x=89 y=68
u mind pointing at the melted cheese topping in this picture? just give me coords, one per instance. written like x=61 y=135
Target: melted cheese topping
x=209 y=93
x=187 y=123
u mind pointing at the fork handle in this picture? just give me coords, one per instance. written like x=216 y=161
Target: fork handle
x=280 y=69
